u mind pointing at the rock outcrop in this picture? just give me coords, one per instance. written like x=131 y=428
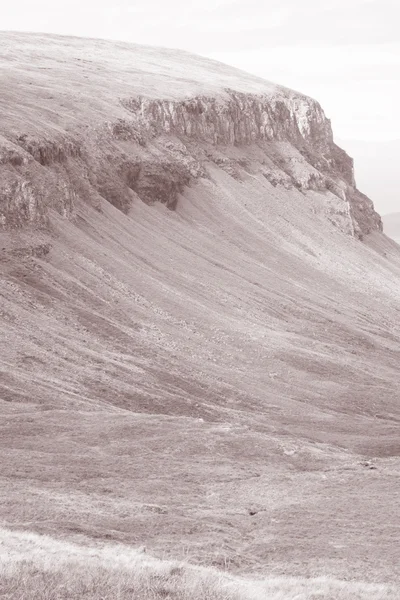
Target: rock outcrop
x=157 y=146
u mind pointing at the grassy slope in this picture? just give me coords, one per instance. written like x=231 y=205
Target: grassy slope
x=58 y=83
x=161 y=379
x=209 y=381
x=42 y=568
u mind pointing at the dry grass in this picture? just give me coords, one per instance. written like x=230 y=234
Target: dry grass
x=36 y=567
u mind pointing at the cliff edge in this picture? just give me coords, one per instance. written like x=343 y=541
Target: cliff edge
x=91 y=118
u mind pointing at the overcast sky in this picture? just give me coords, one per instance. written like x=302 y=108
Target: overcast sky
x=345 y=53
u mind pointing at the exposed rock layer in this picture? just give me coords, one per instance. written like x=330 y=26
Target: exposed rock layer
x=154 y=147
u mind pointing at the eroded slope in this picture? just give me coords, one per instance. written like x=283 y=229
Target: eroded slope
x=198 y=352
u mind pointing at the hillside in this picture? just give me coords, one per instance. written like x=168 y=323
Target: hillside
x=199 y=315
x=391 y=224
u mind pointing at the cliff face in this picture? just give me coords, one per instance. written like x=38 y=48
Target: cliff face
x=236 y=119
x=243 y=119
x=135 y=144
x=139 y=158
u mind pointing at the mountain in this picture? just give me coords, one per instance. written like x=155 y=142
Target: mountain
x=391 y=224
x=199 y=316
x=377 y=173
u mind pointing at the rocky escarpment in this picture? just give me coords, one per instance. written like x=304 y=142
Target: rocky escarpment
x=34 y=178
x=236 y=118
x=241 y=119
x=151 y=148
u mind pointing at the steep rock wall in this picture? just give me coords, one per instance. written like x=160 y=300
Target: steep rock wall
x=235 y=119
x=160 y=146
x=241 y=119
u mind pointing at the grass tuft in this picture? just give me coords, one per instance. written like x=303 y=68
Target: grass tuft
x=34 y=567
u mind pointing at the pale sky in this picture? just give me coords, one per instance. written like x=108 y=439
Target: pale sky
x=344 y=53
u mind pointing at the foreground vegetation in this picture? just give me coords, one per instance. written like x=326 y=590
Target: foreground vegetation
x=36 y=567
x=95 y=582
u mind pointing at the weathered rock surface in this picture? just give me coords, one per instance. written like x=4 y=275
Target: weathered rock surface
x=155 y=146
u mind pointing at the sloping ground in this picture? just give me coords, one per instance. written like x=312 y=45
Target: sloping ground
x=218 y=381
x=391 y=224
x=41 y=567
